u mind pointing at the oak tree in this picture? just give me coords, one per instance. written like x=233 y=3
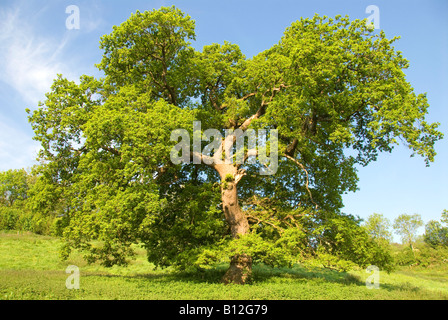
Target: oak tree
x=334 y=91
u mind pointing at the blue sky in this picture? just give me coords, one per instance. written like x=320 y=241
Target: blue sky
x=35 y=45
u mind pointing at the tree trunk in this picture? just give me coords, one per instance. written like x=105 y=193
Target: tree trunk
x=240 y=269
x=412 y=247
x=234 y=215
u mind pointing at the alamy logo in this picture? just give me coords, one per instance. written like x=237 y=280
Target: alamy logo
x=373 y=21
x=73 y=20
x=229 y=149
x=72 y=281
x=373 y=281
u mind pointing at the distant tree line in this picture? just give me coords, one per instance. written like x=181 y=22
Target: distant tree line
x=26 y=206
x=423 y=250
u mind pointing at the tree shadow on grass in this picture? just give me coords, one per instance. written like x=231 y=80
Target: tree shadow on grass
x=261 y=274
x=265 y=276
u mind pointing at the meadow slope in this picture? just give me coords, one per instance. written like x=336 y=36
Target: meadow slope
x=30 y=269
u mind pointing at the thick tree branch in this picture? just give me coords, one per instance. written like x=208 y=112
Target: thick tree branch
x=291 y=148
x=239 y=175
x=78 y=152
x=198 y=157
x=261 y=111
x=258 y=220
x=247 y=96
x=111 y=150
x=213 y=102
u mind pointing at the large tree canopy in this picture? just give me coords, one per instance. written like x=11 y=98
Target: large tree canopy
x=334 y=90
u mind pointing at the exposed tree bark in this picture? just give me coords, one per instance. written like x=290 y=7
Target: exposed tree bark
x=234 y=215
x=240 y=269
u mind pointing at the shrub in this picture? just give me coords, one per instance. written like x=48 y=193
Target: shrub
x=405 y=257
x=423 y=256
x=428 y=256
x=9 y=218
x=21 y=219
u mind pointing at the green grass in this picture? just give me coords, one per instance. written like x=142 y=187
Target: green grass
x=30 y=269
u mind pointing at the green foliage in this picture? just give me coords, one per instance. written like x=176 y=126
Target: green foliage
x=378 y=227
x=338 y=243
x=16 y=188
x=445 y=216
x=405 y=257
x=430 y=256
x=329 y=85
x=22 y=219
x=14 y=185
x=151 y=50
x=435 y=233
x=187 y=225
x=407 y=225
x=347 y=241
x=9 y=218
x=423 y=255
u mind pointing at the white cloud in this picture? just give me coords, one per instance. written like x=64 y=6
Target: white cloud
x=28 y=62
x=33 y=50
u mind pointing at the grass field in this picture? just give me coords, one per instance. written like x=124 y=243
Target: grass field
x=30 y=269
